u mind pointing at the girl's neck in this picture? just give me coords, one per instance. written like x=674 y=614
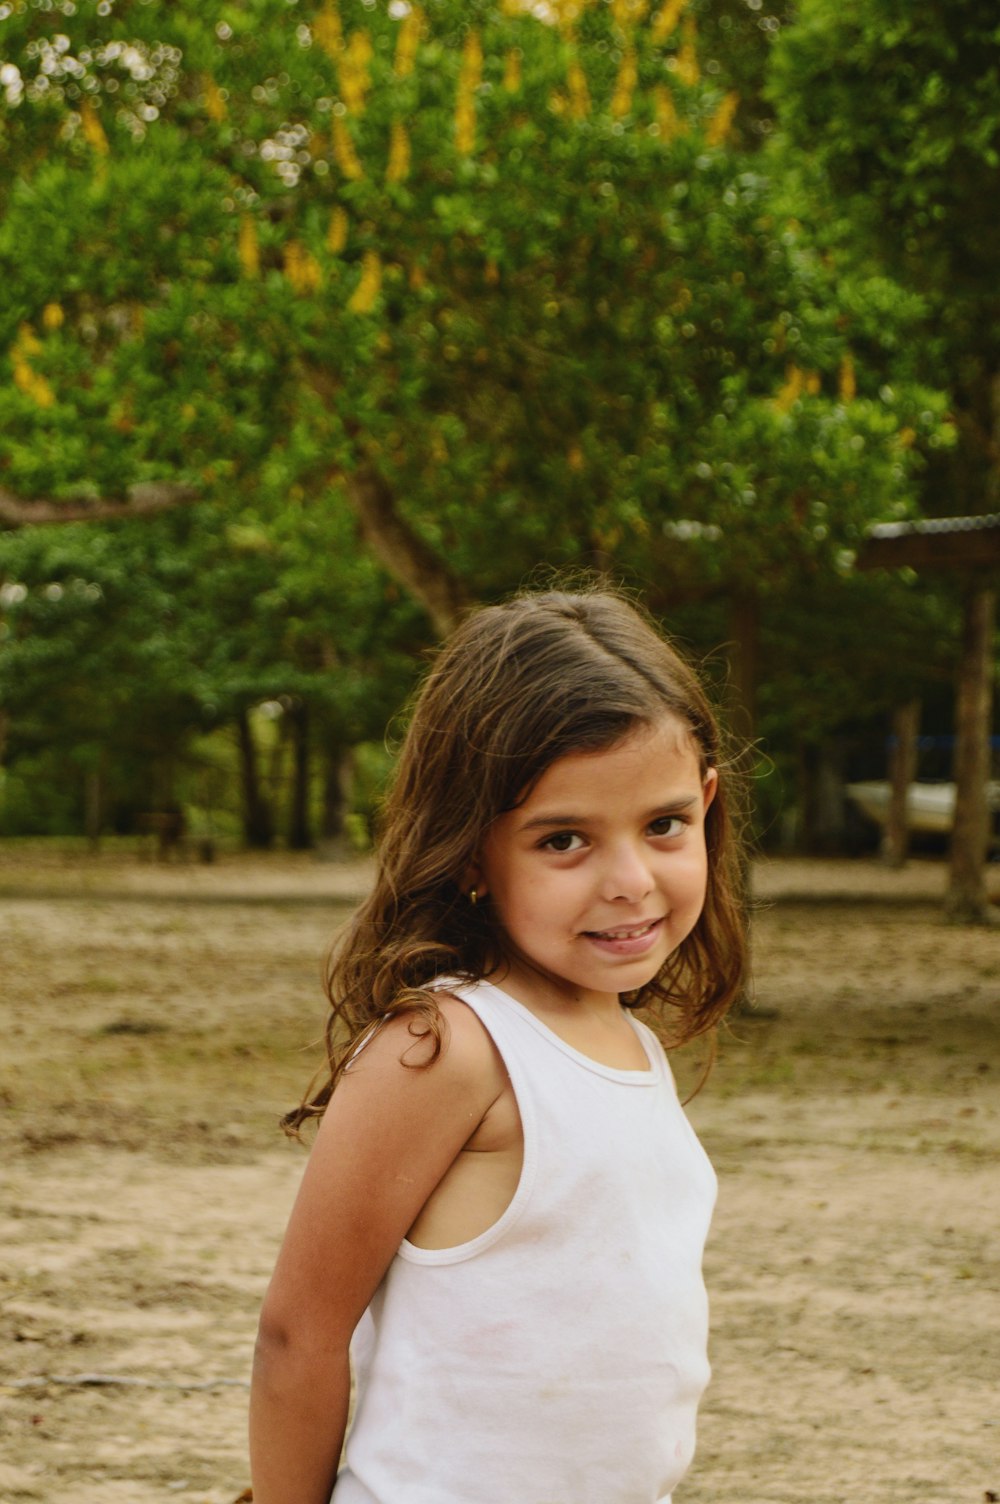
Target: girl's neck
x=593 y=1023
x=551 y=997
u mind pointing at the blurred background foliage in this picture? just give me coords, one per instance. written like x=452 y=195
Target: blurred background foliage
x=322 y=321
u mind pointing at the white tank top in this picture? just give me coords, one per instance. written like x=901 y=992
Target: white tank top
x=557 y=1358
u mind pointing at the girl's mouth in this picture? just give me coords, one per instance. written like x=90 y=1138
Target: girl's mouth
x=627 y=939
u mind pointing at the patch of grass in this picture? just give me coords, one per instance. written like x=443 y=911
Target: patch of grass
x=138 y=1026
x=98 y=985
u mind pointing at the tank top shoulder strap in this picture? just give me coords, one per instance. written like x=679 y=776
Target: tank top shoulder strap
x=493 y=1009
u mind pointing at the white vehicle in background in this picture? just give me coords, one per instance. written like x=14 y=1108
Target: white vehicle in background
x=930 y=807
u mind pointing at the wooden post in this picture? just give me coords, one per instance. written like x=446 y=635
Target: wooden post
x=902 y=772
x=967 y=898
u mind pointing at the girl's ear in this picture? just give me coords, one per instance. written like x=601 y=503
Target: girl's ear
x=709 y=786
x=473 y=881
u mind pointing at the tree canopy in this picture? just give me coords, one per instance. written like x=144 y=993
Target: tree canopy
x=435 y=295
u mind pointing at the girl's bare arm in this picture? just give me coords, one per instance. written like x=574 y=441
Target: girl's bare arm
x=386 y=1139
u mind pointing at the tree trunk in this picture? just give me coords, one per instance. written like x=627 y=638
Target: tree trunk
x=403 y=552
x=967 y=900
x=274 y=777
x=822 y=796
x=299 y=833
x=337 y=768
x=744 y=635
x=902 y=772
x=93 y=803
x=258 y=826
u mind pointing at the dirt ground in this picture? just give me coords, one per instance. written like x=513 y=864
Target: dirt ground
x=157 y=1019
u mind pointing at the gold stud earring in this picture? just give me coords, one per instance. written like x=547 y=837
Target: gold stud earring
x=473 y=896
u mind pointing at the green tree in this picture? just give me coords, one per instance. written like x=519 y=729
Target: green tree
x=904 y=122
x=504 y=290
x=97 y=687
x=500 y=282
x=120 y=647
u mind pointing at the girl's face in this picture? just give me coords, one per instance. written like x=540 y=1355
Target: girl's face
x=600 y=873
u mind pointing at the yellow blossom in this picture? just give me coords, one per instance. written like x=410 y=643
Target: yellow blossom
x=353 y=71
x=718 y=126
x=410 y=32
x=344 y=154
x=398 y=169
x=363 y=298
x=579 y=94
x=688 y=70
x=301 y=268
x=670 y=123
x=336 y=235
x=605 y=539
x=848 y=381
x=328 y=31
x=628 y=77
x=52 y=317
x=628 y=13
x=215 y=104
x=248 y=247
x=26 y=379
x=567 y=13
x=471 y=75
x=465 y=125
x=469 y=80
x=32 y=384
x=795 y=383
x=666 y=19
x=93 y=130
x=27 y=342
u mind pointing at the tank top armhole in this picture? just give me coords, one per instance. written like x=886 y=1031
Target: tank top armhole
x=490 y=1016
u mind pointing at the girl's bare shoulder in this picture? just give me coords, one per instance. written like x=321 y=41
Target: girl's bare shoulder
x=466 y=1053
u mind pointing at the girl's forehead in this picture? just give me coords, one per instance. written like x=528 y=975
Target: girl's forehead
x=668 y=746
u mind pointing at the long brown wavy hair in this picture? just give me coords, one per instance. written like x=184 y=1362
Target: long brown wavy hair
x=515 y=688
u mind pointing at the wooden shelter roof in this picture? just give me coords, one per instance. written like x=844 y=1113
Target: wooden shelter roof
x=958 y=543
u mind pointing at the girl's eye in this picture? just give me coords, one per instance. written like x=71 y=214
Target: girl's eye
x=668 y=825
x=562 y=841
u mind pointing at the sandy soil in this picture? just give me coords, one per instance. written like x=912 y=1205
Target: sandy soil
x=157 y=1019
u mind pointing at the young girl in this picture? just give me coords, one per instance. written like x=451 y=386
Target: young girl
x=504 y=1211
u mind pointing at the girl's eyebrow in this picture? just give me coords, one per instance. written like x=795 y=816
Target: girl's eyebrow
x=668 y=806
x=540 y=822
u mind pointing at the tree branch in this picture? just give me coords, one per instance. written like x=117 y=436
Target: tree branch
x=402 y=552
x=153 y=496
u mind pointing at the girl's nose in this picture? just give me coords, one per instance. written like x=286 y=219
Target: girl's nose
x=627 y=876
